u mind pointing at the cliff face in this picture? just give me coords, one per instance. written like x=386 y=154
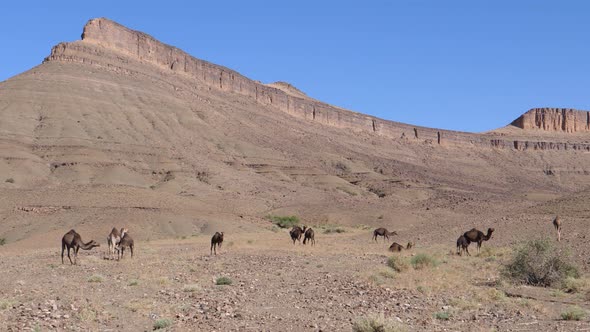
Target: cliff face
x=554 y=119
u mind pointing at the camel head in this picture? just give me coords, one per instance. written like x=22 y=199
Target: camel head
x=490 y=231
x=124 y=231
x=304 y=228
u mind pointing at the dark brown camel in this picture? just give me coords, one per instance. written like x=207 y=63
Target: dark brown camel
x=296 y=233
x=72 y=240
x=126 y=241
x=309 y=235
x=396 y=247
x=216 y=242
x=462 y=246
x=382 y=232
x=114 y=238
x=475 y=235
x=557 y=225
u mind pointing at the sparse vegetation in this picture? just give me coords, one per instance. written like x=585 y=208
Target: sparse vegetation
x=133 y=283
x=573 y=313
x=10 y=180
x=442 y=315
x=539 y=263
x=191 y=288
x=203 y=176
x=347 y=190
x=376 y=323
x=284 y=221
x=333 y=229
x=96 y=278
x=340 y=166
x=2 y=241
x=377 y=191
x=574 y=285
x=5 y=304
x=223 y=281
x=162 y=323
x=421 y=261
x=399 y=264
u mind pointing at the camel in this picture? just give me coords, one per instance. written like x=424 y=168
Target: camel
x=382 y=232
x=462 y=245
x=216 y=242
x=114 y=238
x=396 y=247
x=296 y=233
x=72 y=240
x=475 y=235
x=309 y=235
x=557 y=225
x=126 y=241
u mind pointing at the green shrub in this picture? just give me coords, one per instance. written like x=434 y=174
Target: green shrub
x=421 y=261
x=284 y=221
x=11 y=180
x=442 y=315
x=191 y=288
x=133 y=283
x=162 y=323
x=2 y=241
x=397 y=263
x=538 y=263
x=223 y=281
x=96 y=278
x=574 y=285
x=573 y=313
x=376 y=323
x=333 y=229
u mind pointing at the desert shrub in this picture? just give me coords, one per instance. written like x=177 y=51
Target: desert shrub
x=442 y=315
x=284 y=221
x=398 y=264
x=573 y=285
x=203 y=176
x=223 y=281
x=191 y=288
x=340 y=166
x=162 y=323
x=96 y=278
x=421 y=261
x=2 y=241
x=376 y=323
x=377 y=191
x=573 y=313
x=538 y=263
x=10 y=180
x=334 y=229
x=133 y=283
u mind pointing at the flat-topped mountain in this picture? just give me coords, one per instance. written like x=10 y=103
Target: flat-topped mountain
x=119 y=124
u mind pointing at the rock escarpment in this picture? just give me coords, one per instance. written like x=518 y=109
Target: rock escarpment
x=554 y=119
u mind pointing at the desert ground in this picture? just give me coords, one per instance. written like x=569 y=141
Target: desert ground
x=121 y=130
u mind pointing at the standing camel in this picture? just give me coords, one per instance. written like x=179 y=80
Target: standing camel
x=475 y=235
x=114 y=238
x=462 y=246
x=72 y=240
x=382 y=232
x=309 y=235
x=296 y=233
x=126 y=241
x=557 y=225
x=216 y=242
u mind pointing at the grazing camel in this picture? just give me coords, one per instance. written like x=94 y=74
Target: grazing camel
x=296 y=233
x=114 y=238
x=382 y=232
x=72 y=240
x=396 y=247
x=309 y=235
x=462 y=245
x=475 y=235
x=216 y=242
x=557 y=225
x=126 y=241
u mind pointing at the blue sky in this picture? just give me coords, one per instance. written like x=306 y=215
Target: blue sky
x=460 y=65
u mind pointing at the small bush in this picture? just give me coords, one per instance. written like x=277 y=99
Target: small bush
x=10 y=180
x=133 y=283
x=573 y=313
x=538 y=263
x=574 y=285
x=442 y=315
x=331 y=229
x=96 y=278
x=2 y=241
x=284 y=221
x=191 y=288
x=162 y=323
x=223 y=281
x=421 y=261
x=398 y=264
x=376 y=323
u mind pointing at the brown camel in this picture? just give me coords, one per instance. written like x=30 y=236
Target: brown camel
x=72 y=240
x=475 y=235
x=114 y=238
x=309 y=235
x=296 y=233
x=382 y=232
x=557 y=225
x=462 y=246
x=396 y=247
x=126 y=241
x=216 y=242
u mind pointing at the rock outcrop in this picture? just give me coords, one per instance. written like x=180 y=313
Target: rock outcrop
x=555 y=119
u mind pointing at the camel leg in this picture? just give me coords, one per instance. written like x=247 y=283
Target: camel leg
x=76 y=255
x=211 y=249
x=70 y=258
x=131 y=248
x=63 y=247
x=559 y=235
x=467 y=251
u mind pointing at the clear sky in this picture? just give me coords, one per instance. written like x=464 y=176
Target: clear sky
x=462 y=65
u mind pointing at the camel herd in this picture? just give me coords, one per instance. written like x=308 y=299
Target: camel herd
x=118 y=240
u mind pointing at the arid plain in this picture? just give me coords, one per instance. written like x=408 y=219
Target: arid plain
x=120 y=130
